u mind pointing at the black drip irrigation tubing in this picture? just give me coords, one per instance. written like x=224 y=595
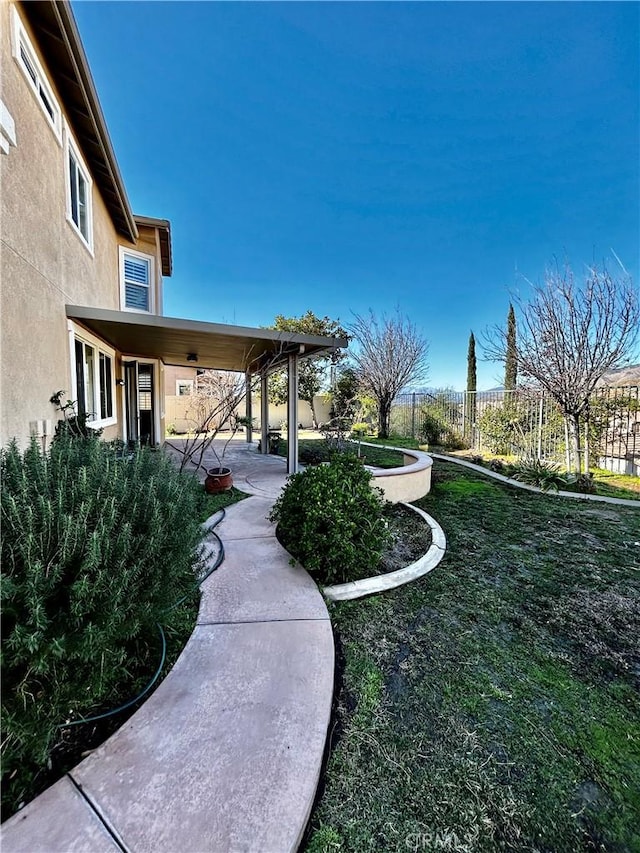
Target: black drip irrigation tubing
x=163 y=656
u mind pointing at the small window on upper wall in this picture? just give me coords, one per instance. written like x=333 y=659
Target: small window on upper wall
x=26 y=57
x=78 y=193
x=136 y=271
x=184 y=387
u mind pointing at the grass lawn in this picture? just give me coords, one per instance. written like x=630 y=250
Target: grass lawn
x=380 y=457
x=210 y=504
x=607 y=483
x=494 y=705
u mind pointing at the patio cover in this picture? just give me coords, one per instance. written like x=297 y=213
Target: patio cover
x=218 y=346
x=215 y=345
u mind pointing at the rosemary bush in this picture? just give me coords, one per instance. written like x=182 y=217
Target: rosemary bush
x=330 y=519
x=96 y=549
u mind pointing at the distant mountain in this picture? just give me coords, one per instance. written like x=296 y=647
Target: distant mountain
x=629 y=375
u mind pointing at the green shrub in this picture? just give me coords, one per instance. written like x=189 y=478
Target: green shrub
x=311 y=455
x=502 y=427
x=359 y=430
x=434 y=427
x=330 y=519
x=534 y=472
x=73 y=423
x=96 y=549
x=514 y=428
x=437 y=431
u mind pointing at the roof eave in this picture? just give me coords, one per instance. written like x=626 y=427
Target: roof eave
x=58 y=32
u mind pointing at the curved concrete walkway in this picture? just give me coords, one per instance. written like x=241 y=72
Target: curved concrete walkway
x=226 y=754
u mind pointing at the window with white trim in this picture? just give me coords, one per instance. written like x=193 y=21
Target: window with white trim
x=79 y=185
x=136 y=277
x=93 y=379
x=26 y=57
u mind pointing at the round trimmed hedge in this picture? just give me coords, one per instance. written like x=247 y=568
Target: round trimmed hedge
x=331 y=519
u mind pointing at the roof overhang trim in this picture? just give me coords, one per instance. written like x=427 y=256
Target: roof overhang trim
x=215 y=345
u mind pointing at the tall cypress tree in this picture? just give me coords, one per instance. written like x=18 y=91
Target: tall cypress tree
x=472 y=382
x=472 y=379
x=511 y=361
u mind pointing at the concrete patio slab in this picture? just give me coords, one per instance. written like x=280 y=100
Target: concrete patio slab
x=256 y=473
x=58 y=821
x=226 y=754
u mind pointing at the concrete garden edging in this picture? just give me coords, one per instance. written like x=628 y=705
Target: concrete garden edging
x=391 y=580
x=407 y=482
x=518 y=485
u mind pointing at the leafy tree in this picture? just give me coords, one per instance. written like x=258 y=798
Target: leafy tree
x=568 y=336
x=511 y=362
x=390 y=354
x=345 y=401
x=312 y=373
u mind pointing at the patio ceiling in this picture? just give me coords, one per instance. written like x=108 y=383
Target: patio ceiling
x=215 y=345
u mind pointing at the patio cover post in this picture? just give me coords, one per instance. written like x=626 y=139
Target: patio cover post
x=247 y=410
x=264 y=411
x=292 y=415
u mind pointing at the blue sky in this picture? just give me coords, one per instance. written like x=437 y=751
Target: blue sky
x=345 y=156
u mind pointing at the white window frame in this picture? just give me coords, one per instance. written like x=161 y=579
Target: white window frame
x=186 y=382
x=71 y=149
x=77 y=333
x=42 y=90
x=152 y=281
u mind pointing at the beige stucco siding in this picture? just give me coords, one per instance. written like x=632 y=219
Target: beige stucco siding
x=45 y=263
x=34 y=198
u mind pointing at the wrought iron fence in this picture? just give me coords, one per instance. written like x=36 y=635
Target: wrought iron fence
x=523 y=423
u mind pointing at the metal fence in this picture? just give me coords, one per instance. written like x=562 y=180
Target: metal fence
x=523 y=423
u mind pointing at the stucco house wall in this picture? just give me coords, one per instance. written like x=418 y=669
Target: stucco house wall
x=46 y=264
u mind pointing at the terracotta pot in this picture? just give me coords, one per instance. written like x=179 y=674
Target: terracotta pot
x=218 y=480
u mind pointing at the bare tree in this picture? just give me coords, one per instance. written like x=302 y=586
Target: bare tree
x=213 y=406
x=568 y=335
x=390 y=353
